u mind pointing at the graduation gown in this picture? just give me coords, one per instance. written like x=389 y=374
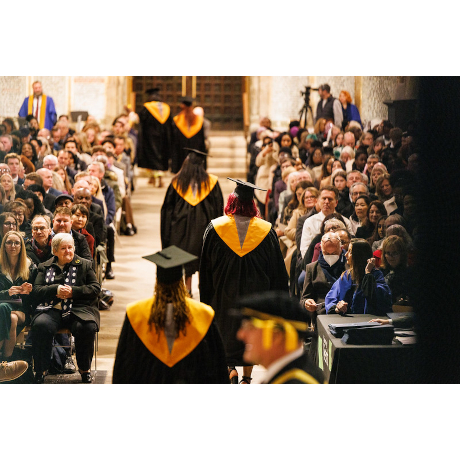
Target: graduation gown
x=228 y=271
x=47 y=116
x=154 y=147
x=143 y=356
x=186 y=136
x=184 y=218
x=301 y=370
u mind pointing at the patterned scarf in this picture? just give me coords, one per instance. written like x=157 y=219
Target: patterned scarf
x=42 y=255
x=70 y=274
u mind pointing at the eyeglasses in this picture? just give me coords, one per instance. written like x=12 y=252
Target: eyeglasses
x=329 y=238
x=38 y=229
x=392 y=254
x=13 y=243
x=9 y=224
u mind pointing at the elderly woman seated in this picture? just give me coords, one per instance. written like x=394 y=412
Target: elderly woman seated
x=66 y=292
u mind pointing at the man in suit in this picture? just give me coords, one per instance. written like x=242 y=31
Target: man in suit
x=47 y=176
x=273 y=328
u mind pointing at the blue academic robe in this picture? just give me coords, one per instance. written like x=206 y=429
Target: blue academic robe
x=48 y=114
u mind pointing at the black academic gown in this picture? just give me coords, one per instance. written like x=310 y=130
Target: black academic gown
x=298 y=371
x=184 y=136
x=228 y=271
x=184 y=218
x=154 y=145
x=143 y=355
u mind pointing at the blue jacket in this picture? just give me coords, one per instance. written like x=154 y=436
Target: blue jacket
x=109 y=198
x=351 y=113
x=373 y=296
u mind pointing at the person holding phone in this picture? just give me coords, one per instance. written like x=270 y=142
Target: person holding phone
x=362 y=288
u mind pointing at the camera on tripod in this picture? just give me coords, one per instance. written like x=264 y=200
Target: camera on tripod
x=306 y=107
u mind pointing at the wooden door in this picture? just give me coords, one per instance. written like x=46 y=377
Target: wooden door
x=220 y=97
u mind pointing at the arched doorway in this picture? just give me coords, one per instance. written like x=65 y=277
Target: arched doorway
x=221 y=97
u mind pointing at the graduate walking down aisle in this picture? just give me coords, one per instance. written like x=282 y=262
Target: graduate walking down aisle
x=241 y=255
x=192 y=200
x=155 y=131
x=170 y=338
x=188 y=131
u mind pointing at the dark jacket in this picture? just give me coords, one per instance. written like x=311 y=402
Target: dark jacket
x=100 y=229
x=109 y=198
x=85 y=290
x=327 y=112
x=48 y=202
x=33 y=256
x=27 y=300
x=81 y=246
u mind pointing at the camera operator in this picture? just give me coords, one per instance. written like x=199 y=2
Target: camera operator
x=329 y=107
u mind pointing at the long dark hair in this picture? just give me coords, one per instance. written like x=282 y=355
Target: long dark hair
x=38 y=205
x=375 y=234
x=191 y=173
x=361 y=252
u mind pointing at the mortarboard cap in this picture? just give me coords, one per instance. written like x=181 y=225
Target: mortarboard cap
x=245 y=190
x=169 y=263
x=275 y=308
x=196 y=151
x=152 y=91
x=187 y=100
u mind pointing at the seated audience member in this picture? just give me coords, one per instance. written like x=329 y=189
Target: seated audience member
x=293 y=179
x=80 y=215
x=46 y=198
x=6 y=181
x=95 y=223
x=64 y=201
x=61 y=171
x=13 y=161
x=33 y=204
x=294 y=202
x=62 y=223
x=319 y=278
x=20 y=210
x=395 y=269
x=375 y=211
x=7 y=222
x=339 y=181
x=400 y=231
x=332 y=223
x=17 y=274
x=77 y=161
x=307 y=201
x=286 y=140
x=93 y=185
x=63 y=158
x=328 y=202
x=378 y=236
x=40 y=192
x=378 y=170
x=47 y=177
x=273 y=329
x=362 y=288
x=38 y=248
x=315 y=159
x=360 y=161
x=73 y=304
x=384 y=191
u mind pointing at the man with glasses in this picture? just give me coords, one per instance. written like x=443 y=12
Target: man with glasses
x=39 y=247
x=328 y=201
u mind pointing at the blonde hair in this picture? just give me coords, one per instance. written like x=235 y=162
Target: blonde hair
x=13 y=189
x=22 y=268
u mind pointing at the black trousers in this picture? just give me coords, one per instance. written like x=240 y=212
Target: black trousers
x=45 y=326
x=110 y=244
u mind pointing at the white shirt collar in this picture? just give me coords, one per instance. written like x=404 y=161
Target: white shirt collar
x=277 y=365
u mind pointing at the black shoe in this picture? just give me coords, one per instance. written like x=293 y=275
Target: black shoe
x=129 y=231
x=109 y=275
x=69 y=366
x=135 y=229
x=86 y=377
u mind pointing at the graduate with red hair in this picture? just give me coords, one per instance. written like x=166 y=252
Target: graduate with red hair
x=241 y=255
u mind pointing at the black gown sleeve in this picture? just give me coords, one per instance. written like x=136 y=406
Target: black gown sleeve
x=167 y=211
x=205 y=272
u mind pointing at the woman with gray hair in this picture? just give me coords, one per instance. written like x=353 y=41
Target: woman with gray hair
x=65 y=292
